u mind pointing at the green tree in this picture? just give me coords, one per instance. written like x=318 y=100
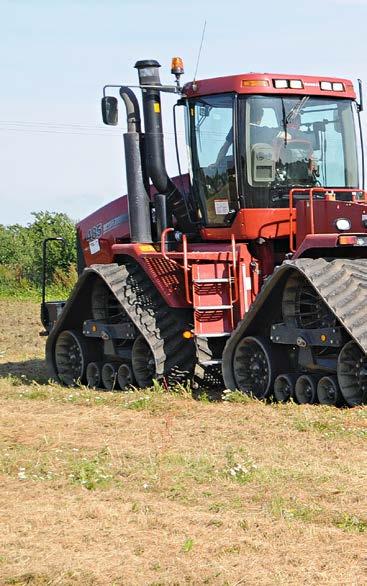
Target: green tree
x=21 y=253
x=47 y=225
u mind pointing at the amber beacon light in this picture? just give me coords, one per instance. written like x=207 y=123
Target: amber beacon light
x=177 y=66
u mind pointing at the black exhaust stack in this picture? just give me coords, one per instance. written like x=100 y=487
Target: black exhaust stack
x=139 y=203
x=148 y=71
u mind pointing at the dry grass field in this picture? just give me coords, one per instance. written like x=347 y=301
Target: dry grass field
x=156 y=488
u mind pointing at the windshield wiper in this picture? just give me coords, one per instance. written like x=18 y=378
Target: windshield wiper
x=293 y=112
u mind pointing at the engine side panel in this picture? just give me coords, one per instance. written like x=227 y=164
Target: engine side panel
x=99 y=231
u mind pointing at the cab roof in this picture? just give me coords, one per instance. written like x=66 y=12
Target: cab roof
x=265 y=83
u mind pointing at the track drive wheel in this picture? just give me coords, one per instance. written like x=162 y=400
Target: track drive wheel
x=143 y=362
x=253 y=367
x=71 y=356
x=352 y=374
x=302 y=306
x=104 y=303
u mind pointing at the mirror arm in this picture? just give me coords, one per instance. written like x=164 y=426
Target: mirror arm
x=171 y=89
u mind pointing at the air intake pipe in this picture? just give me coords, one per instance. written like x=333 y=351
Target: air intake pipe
x=148 y=71
x=139 y=204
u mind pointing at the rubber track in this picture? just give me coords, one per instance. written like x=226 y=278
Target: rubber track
x=161 y=325
x=207 y=377
x=341 y=283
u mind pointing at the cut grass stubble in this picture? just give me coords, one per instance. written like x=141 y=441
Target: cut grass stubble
x=178 y=490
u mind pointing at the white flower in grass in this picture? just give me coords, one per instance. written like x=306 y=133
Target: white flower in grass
x=21 y=474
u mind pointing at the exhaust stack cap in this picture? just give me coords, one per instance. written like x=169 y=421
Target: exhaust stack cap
x=148 y=70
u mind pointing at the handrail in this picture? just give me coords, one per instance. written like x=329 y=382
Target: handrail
x=234 y=264
x=311 y=191
x=185 y=266
x=163 y=244
x=186 y=269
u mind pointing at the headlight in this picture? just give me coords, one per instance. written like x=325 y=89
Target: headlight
x=326 y=86
x=361 y=241
x=296 y=84
x=343 y=224
x=281 y=83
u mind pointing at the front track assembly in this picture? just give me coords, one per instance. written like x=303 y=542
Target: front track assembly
x=311 y=335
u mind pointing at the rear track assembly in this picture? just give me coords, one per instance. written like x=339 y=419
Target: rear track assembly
x=159 y=350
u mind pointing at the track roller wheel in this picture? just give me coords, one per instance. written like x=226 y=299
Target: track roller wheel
x=71 y=357
x=143 y=362
x=125 y=376
x=352 y=374
x=284 y=387
x=93 y=375
x=305 y=390
x=328 y=391
x=109 y=376
x=253 y=367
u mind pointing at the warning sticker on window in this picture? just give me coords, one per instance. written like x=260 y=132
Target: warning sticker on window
x=94 y=246
x=221 y=207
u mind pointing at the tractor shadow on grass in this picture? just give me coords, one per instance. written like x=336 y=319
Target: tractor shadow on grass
x=25 y=372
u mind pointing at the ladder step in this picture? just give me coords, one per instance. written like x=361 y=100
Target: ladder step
x=212 y=307
x=202 y=281
x=218 y=335
x=211 y=362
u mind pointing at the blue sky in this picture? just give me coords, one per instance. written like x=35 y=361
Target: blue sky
x=56 y=55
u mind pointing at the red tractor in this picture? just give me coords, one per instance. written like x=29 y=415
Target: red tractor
x=248 y=273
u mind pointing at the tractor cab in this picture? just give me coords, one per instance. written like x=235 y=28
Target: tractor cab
x=254 y=138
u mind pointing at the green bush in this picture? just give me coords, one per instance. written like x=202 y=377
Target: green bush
x=21 y=256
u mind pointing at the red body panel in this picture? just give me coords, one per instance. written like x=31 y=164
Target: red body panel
x=325 y=215
x=110 y=225
x=107 y=225
x=167 y=275
x=234 y=83
x=253 y=223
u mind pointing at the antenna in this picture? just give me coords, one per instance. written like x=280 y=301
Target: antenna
x=199 y=55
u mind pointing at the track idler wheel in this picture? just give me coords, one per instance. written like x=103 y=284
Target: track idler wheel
x=352 y=374
x=305 y=390
x=72 y=352
x=125 y=376
x=143 y=362
x=93 y=375
x=253 y=367
x=284 y=387
x=328 y=391
x=109 y=376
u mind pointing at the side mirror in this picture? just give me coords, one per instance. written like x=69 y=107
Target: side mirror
x=109 y=110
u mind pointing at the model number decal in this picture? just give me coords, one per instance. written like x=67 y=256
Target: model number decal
x=99 y=229
x=94 y=232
